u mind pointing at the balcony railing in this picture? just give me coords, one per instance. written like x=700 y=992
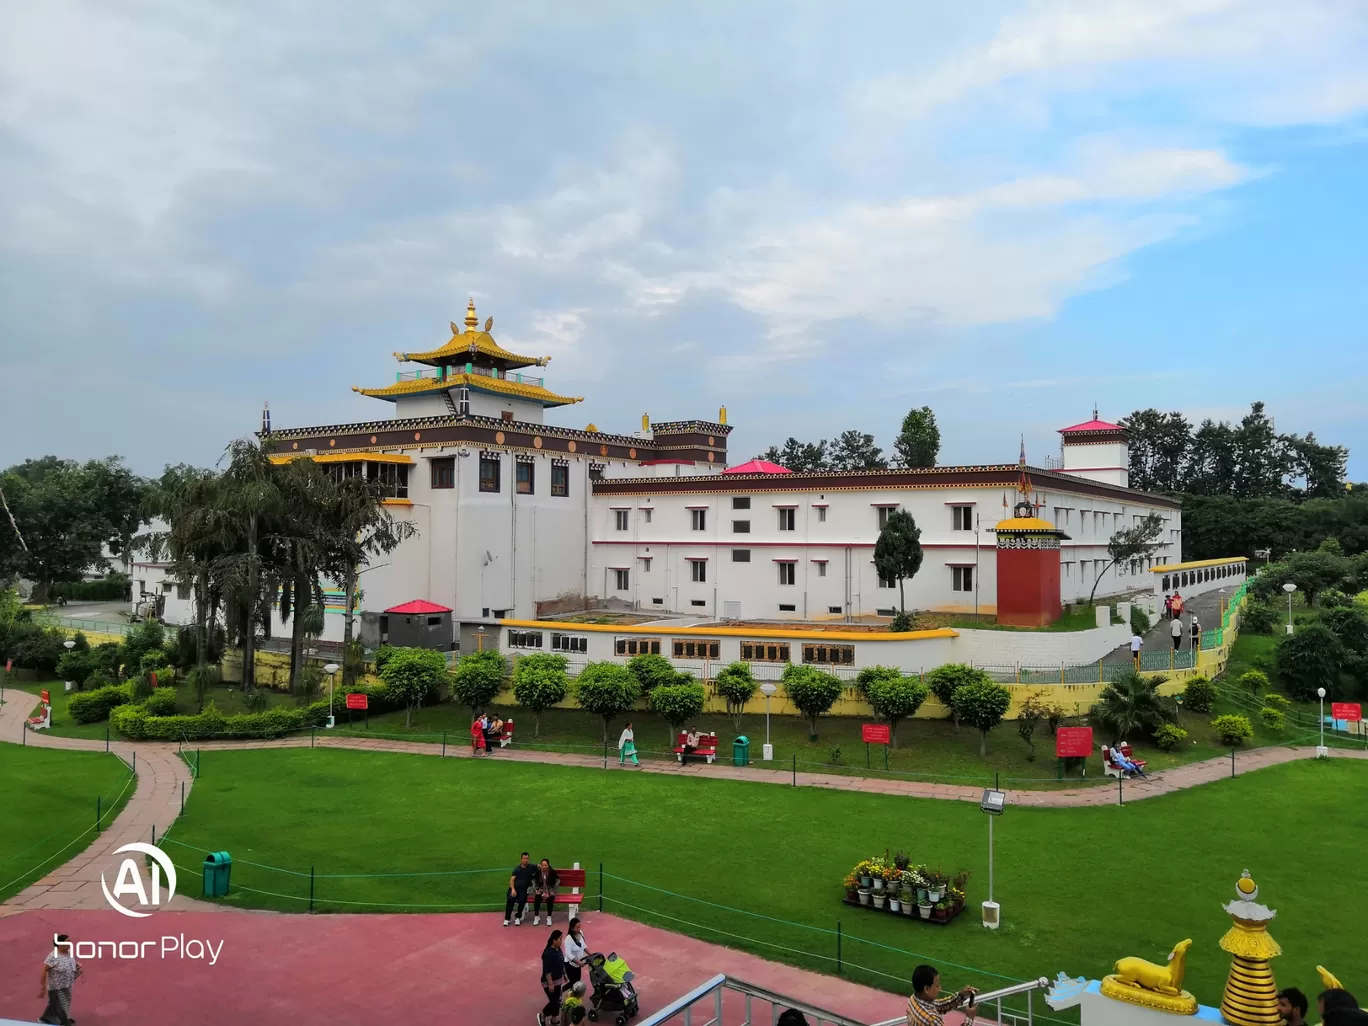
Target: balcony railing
x=438 y=373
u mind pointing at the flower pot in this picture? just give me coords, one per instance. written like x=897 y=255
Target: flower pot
x=894 y=905
x=921 y=895
x=939 y=914
x=850 y=894
x=878 y=883
x=924 y=911
x=878 y=899
x=865 y=882
x=909 y=909
x=934 y=894
x=864 y=896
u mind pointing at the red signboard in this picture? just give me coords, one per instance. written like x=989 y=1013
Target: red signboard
x=875 y=733
x=357 y=701
x=152 y=679
x=1073 y=742
x=1346 y=711
x=9 y=665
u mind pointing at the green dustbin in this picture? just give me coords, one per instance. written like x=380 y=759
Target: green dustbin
x=218 y=866
x=741 y=751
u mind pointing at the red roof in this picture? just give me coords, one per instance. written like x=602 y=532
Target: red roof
x=757 y=467
x=1091 y=425
x=419 y=606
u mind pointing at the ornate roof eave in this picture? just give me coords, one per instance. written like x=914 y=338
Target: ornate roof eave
x=478 y=382
x=468 y=345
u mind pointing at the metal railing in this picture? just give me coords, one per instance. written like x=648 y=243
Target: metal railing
x=684 y=1010
x=437 y=374
x=78 y=624
x=994 y=997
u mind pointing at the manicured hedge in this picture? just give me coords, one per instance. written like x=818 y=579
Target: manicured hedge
x=134 y=722
x=162 y=702
x=94 y=706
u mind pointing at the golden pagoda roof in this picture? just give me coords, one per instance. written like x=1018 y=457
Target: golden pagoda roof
x=479 y=382
x=473 y=340
x=1025 y=524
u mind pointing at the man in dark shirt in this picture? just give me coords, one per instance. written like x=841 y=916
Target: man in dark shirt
x=518 y=883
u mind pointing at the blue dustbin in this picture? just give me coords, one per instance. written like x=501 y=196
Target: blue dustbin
x=741 y=751
x=218 y=866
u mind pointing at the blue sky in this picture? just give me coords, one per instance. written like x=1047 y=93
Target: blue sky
x=816 y=215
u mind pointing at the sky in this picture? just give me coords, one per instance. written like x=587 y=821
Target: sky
x=816 y=215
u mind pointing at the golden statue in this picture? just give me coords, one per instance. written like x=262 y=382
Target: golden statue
x=1328 y=979
x=1160 y=987
x=1251 y=995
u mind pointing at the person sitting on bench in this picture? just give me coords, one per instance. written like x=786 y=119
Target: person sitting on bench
x=1125 y=765
x=690 y=744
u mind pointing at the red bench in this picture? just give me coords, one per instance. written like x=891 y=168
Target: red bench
x=506 y=738
x=44 y=718
x=574 y=879
x=1111 y=769
x=707 y=747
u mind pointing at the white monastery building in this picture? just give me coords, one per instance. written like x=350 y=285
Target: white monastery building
x=518 y=518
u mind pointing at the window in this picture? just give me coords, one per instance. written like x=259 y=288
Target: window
x=524 y=639
x=182 y=591
x=821 y=514
x=687 y=648
x=885 y=612
x=596 y=471
x=741 y=502
x=787 y=607
x=569 y=643
x=699 y=519
x=835 y=609
x=787 y=519
x=646 y=512
x=821 y=567
x=560 y=479
x=698 y=602
x=961 y=578
x=788 y=573
x=645 y=564
x=1166 y=582
x=839 y=655
x=884 y=511
x=657 y=601
x=740 y=555
x=443 y=472
x=635 y=646
x=507 y=415
x=962 y=517
x=527 y=477
x=887 y=582
x=698 y=570
x=764 y=652
x=391 y=478
x=489 y=473
x=740 y=527
x=620 y=519
x=622 y=580
x=434 y=621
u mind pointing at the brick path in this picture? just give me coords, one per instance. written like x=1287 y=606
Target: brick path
x=161 y=772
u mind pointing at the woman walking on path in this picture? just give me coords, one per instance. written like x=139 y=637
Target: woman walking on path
x=60 y=970
x=552 y=980
x=477 y=736
x=576 y=951
x=627 y=747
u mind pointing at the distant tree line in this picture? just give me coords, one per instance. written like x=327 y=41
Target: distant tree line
x=917 y=445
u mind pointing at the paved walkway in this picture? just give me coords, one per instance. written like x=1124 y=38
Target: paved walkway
x=1159 y=637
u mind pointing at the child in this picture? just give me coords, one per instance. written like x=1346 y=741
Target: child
x=572 y=1008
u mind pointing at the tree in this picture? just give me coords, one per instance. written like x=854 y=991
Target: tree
x=1213 y=460
x=1034 y=709
x=1159 y=446
x=1129 y=543
x=413 y=674
x=1350 y=625
x=539 y=682
x=870 y=676
x=678 y=703
x=898 y=552
x=1311 y=572
x=736 y=686
x=945 y=680
x=799 y=457
x=981 y=704
x=852 y=450
x=918 y=442
x=653 y=671
x=1262 y=456
x=1311 y=658
x=811 y=691
x=1131 y=704
x=478 y=679
x=1320 y=468
x=895 y=699
x=606 y=690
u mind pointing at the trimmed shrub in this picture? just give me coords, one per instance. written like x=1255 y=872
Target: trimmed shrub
x=655 y=671
x=677 y=704
x=133 y=721
x=383 y=654
x=811 y=691
x=606 y=690
x=1307 y=659
x=1273 y=719
x=1169 y=736
x=867 y=678
x=736 y=686
x=77 y=666
x=162 y=702
x=1199 y=695
x=982 y=705
x=895 y=699
x=414 y=675
x=1232 y=729
x=539 y=682
x=94 y=706
x=1333 y=598
x=1258 y=618
x=1277 y=701
x=1254 y=681
x=945 y=680
x=477 y=679
x=1139 y=621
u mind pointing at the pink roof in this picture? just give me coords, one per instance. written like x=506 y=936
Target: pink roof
x=419 y=606
x=757 y=467
x=1092 y=425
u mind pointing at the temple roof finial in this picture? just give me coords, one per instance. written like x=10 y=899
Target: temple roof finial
x=471 y=321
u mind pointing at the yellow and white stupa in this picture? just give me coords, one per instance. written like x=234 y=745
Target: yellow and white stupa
x=1251 y=995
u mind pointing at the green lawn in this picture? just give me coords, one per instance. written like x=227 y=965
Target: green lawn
x=48 y=812
x=1079 y=887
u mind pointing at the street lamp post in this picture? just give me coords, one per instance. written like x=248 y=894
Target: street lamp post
x=993 y=803
x=69 y=645
x=767 y=753
x=1321 y=750
x=330 y=670
x=1289 y=587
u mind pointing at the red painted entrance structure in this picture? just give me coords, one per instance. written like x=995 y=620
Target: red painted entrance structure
x=1027 y=570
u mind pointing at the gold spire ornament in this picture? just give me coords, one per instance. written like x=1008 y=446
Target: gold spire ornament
x=1251 y=995
x=489 y=324
x=1160 y=987
x=471 y=320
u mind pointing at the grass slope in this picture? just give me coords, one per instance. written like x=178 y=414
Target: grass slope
x=49 y=802
x=1079 y=887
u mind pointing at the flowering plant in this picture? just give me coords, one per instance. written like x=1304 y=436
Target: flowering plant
x=851 y=883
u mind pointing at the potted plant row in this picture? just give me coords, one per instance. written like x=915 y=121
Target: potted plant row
x=896 y=885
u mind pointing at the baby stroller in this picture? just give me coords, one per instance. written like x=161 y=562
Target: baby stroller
x=613 y=991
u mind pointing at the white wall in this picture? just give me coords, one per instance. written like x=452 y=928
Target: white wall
x=1197 y=581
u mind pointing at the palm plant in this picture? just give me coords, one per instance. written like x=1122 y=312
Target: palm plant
x=1131 y=704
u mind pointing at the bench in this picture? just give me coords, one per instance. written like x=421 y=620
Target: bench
x=506 y=738
x=574 y=879
x=1110 y=769
x=44 y=718
x=707 y=747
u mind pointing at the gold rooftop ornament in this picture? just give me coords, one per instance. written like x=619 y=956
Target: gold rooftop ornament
x=1251 y=995
x=1160 y=987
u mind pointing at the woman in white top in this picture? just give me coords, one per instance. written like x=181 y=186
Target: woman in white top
x=627 y=747
x=576 y=951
